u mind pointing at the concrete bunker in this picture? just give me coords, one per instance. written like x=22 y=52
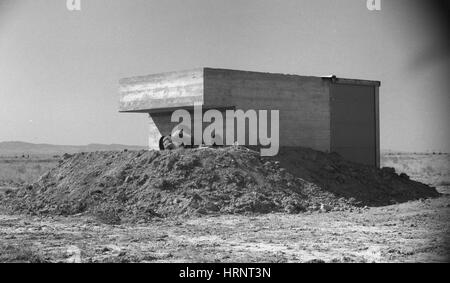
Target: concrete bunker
x=326 y=114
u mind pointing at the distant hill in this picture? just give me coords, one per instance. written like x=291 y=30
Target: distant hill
x=18 y=148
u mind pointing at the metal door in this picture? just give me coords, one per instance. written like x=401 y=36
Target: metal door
x=354 y=122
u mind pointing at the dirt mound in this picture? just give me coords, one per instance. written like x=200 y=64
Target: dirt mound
x=366 y=184
x=146 y=184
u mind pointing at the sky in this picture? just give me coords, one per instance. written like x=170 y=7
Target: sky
x=59 y=69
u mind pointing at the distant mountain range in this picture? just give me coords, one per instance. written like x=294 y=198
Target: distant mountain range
x=12 y=148
x=19 y=148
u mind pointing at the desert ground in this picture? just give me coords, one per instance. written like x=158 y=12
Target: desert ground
x=414 y=231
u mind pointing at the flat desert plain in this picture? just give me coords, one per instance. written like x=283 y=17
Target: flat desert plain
x=415 y=231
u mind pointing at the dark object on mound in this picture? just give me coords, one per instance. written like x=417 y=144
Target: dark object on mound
x=146 y=184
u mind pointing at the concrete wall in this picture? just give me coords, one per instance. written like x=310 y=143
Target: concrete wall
x=303 y=102
x=160 y=92
x=159 y=125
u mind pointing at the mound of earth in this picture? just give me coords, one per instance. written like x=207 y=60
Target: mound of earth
x=368 y=185
x=133 y=185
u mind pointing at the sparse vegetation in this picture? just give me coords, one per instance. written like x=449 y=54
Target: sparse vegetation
x=430 y=169
x=20 y=254
x=18 y=171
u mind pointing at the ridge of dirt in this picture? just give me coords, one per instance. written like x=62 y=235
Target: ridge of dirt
x=141 y=185
x=367 y=185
